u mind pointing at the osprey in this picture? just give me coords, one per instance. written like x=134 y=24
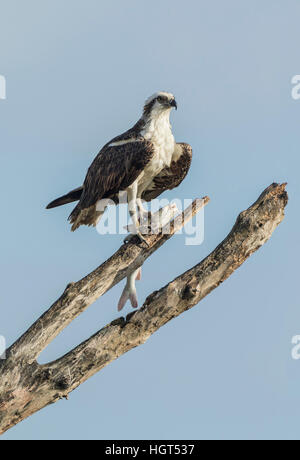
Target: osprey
x=144 y=161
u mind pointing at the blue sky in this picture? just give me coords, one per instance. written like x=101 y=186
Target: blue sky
x=77 y=74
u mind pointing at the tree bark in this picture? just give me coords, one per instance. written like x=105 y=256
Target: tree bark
x=27 y=387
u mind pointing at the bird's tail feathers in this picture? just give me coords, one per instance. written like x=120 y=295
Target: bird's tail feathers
x=74 y=195
x=129 y=292
x=128 y=295
x=88 y=216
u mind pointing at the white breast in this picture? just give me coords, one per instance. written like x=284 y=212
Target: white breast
x=159 y=132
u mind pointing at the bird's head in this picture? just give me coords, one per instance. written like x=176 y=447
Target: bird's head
x=159 y=103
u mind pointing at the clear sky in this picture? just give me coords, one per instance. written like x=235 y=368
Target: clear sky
x=77 y=74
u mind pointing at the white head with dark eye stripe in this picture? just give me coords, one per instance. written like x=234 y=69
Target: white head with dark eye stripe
x=159 y=103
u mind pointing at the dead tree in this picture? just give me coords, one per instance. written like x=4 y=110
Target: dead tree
x=26 y=386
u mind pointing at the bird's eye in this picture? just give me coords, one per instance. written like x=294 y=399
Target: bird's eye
x=160 y=99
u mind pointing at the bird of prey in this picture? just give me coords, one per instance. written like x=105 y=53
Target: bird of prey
x=144 y=161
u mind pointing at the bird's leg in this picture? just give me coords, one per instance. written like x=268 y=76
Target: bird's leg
x=132 y=207
x=143 y=213
x=129 y=291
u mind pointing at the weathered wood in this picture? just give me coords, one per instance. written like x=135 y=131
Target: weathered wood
x=26 y=387
x=78 y=296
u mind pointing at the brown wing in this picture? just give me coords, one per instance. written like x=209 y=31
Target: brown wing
x=114 y=169
x=171 y=177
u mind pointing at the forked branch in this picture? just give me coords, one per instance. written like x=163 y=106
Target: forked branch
x=26 y=386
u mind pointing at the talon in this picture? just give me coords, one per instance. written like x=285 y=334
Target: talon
x=142 y=239
x=128 y=238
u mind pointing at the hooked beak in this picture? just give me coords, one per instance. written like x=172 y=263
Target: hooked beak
x=173 y=103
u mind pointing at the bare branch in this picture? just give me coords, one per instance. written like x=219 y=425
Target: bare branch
x=26 y=388
x=252 y=229
x=78 y=296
